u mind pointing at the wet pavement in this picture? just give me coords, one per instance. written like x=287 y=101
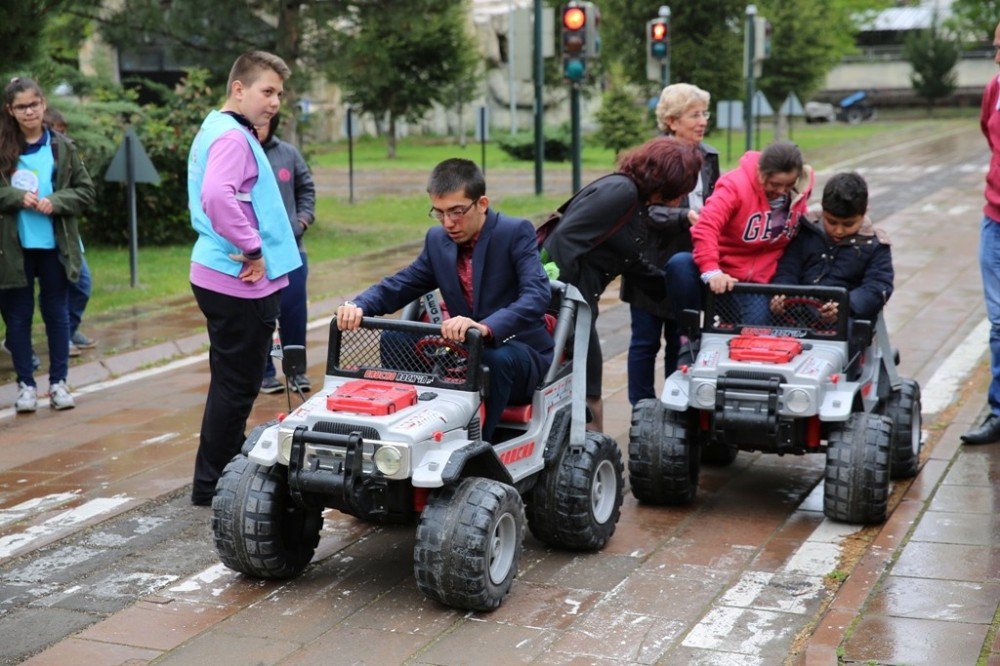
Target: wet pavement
x=103 y=561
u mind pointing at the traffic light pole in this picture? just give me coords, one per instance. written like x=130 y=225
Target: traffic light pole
x=539 y=94
x=574 y=118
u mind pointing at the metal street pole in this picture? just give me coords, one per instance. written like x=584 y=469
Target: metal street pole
x=748 y=107
x=574 y=116
x=539 y=94
x=664 y=12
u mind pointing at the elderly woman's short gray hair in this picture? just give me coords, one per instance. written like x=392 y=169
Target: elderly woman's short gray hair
x=675 y=100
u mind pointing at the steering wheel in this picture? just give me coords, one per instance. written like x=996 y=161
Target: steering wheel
x=444 y=356
x=811 y=303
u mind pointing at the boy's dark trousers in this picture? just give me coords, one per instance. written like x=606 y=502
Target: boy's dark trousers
x=239 y=333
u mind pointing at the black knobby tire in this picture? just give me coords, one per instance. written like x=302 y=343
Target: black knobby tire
x=903 y=409
x=663 y=462
x=258 y=528
x=468 y=544
x=577 y=499
x=856 y=481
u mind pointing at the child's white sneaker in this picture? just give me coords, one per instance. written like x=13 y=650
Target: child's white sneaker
x=27 y=398
x=59 y=397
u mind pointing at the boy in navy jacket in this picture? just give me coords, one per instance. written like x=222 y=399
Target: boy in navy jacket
x=841 y=249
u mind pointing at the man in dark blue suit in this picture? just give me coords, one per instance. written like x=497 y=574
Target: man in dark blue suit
x=487 y=268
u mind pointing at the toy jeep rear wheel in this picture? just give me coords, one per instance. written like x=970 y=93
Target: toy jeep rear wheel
x=577 y=499
x=856 y=481
x=468 y=544
x=258 y=528
x=903 y=408
x=663 y=462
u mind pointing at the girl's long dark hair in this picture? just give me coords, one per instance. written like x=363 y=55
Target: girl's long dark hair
x=12 y=141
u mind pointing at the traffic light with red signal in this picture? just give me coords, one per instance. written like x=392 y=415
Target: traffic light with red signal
x=657 y=47
x=580 y=39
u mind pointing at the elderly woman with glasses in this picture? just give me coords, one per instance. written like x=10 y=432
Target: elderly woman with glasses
x=682 y=112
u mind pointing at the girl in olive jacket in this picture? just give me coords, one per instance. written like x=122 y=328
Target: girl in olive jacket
x=43 y=187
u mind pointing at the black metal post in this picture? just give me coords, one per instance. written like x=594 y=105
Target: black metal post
x=133 y=219
x=482 y=137
x=350 y=155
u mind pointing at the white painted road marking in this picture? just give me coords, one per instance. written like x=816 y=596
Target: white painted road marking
x=65 y=522
x=724 y=629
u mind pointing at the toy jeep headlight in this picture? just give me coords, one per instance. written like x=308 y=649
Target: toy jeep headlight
x=705 y=394
x=797 y=401
x=285 y=444
x=388 y=460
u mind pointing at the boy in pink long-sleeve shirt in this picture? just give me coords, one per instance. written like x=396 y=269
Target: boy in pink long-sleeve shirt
x=240 y=262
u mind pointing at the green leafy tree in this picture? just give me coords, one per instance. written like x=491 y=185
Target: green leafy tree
x=621 y=120
x=933 y=56
x=808 y=39
x=706 y=47
x=975 y=20
x=398 y=68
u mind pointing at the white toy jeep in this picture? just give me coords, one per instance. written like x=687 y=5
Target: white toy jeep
x=394 y=436
x=781 y=375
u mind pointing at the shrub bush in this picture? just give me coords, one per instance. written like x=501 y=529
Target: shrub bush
x=521 y=145
x=165 y=131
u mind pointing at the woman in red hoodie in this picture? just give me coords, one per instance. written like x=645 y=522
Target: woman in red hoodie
x=753 y=214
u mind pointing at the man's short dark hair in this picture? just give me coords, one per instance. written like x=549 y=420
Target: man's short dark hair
x=845 y=195
x=454 y=175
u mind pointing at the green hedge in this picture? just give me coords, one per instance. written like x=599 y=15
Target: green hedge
x=521 y=146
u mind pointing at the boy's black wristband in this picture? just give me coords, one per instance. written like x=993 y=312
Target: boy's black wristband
x=255 y=255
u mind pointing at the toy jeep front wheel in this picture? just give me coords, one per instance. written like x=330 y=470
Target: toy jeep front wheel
x=468 y=544
x=903 y=407
x=258 y=528
x=663 y=462
x=856 y=481
x=577 y=499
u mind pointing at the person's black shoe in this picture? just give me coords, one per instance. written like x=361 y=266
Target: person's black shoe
x=986 y=433
x=201 y=500
x=271 y=385
x=302 y=383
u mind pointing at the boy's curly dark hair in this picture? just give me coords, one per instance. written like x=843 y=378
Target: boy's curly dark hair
x=845 y=195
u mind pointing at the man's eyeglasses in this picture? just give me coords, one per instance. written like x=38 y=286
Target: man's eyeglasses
x=21 y=109
x=456 y=213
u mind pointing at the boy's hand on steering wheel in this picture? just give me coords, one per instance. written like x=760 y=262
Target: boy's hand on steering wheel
x=778 y=304
x=455 y=328
x=348 y=316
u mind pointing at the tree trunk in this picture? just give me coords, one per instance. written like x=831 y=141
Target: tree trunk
x=289 y=40
x=391 y=154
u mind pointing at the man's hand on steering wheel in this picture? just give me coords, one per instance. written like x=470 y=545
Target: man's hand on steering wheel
x=455 y=328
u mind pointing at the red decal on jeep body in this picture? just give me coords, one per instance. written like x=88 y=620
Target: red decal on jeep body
x=517 y=453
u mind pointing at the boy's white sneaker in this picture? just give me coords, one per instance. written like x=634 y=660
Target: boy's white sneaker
x=27 y=398
x=59 y=397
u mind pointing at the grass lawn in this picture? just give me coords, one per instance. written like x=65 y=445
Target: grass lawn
x=349 y=229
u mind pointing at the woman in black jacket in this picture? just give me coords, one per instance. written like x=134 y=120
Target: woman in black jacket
x=682 y=112
x=600 y=235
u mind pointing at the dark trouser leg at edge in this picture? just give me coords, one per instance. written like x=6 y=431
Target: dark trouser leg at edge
x=238 y=332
